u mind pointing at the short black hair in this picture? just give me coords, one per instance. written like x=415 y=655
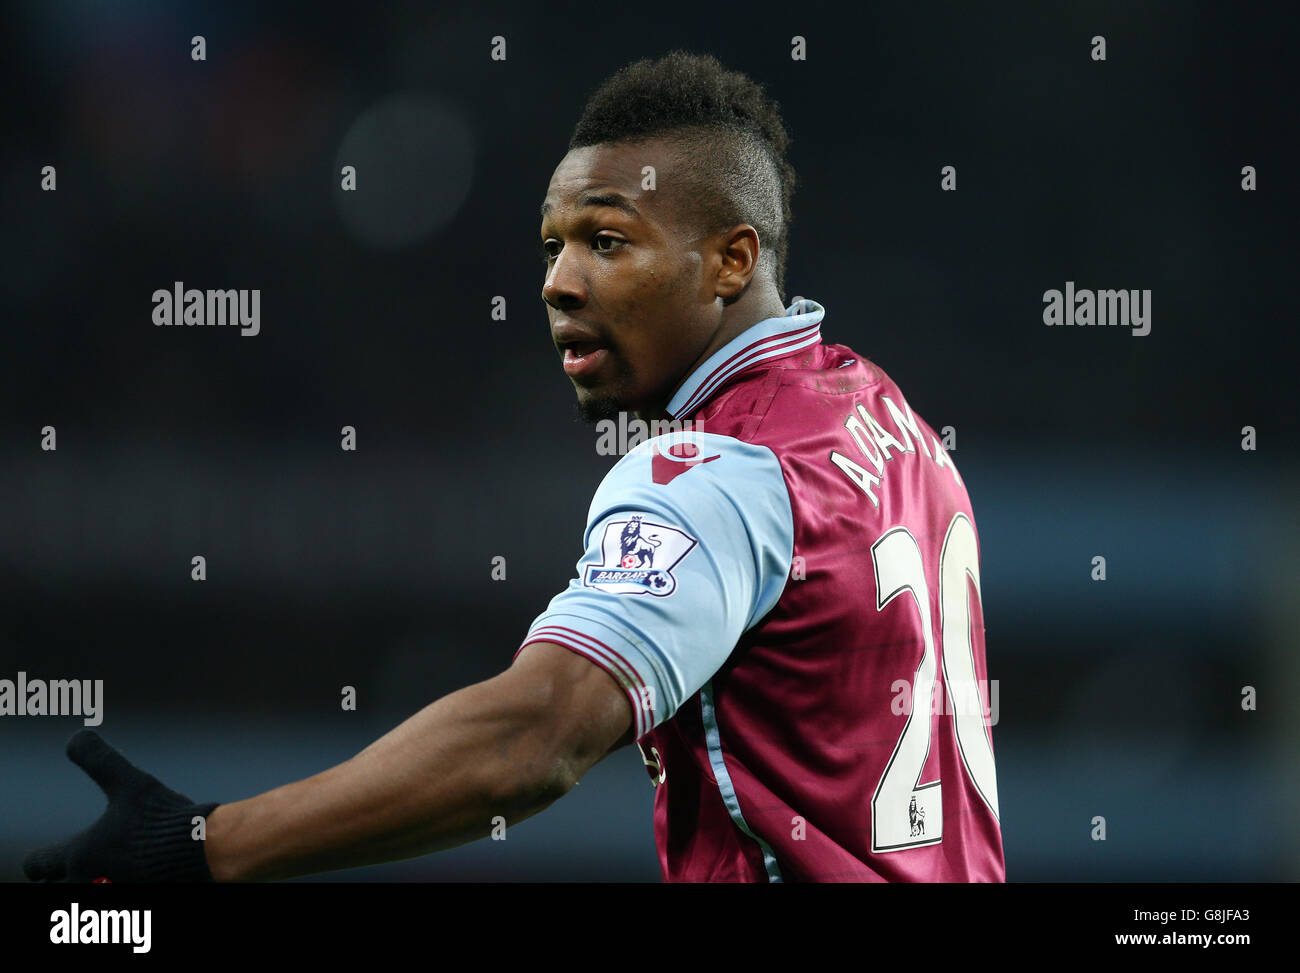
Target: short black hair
x=729 y=138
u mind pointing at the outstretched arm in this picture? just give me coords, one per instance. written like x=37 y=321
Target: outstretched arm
x=509 y=746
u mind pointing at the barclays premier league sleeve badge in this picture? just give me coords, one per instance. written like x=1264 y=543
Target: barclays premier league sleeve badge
x=638 y=557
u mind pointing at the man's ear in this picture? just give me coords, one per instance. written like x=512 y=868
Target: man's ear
x=739 y=260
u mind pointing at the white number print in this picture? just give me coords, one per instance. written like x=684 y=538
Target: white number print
x=904 y=812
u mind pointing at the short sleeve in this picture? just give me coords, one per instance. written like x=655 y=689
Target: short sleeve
x=688 y=545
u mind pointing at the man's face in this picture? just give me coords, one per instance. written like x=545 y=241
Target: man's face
x=629 y=304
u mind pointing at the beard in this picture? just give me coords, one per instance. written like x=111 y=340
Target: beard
x=598 y=408
x=609 y=403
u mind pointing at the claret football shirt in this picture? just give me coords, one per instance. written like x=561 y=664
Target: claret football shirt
x=787 y=587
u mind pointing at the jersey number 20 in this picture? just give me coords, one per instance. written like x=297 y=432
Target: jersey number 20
x=904 y=812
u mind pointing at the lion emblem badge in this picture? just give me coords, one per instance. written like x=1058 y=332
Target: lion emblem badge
x=638 y=557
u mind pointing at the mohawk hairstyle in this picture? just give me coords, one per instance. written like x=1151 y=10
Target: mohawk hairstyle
x=729 y=139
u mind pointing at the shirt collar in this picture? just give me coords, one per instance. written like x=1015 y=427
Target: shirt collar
x=770 y=338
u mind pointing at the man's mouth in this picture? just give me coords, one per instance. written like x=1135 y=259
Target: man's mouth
x=582 y=358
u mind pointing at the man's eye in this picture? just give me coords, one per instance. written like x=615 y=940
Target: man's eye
x=546 y=254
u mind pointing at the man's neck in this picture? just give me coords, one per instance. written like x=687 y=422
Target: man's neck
x=736 y=320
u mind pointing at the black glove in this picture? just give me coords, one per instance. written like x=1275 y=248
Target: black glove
x=143 y=836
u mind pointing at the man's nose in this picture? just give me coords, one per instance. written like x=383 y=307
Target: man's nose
x=564 y=286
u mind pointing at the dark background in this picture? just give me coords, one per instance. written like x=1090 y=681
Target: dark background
x=372 y=569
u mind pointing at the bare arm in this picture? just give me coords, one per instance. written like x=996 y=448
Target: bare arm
x=509 y=746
